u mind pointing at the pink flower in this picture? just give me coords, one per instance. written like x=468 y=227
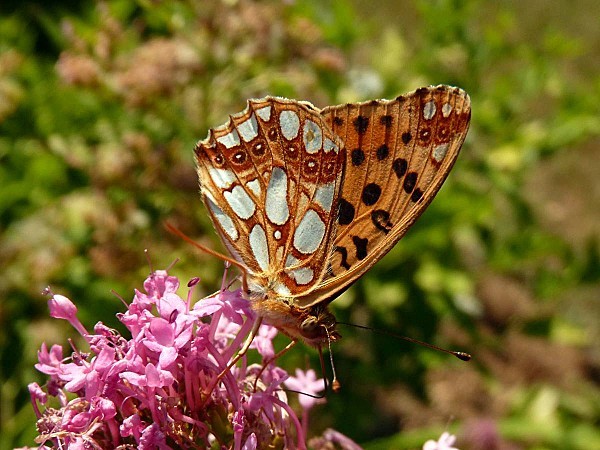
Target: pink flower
x=306 y=383
x=37 y=393
x=168 y=384
x=50 y=362
x=251 y=443
x=63 y=308
x=152 y=377
x=333 y=439
x=88 y=376
x=263 y=341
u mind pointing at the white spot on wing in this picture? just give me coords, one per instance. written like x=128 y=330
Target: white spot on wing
x=264 y=113
x=248 y=129
x=312 y=136
x=289 y=123
x=221 y=177
x=240 y=202
x=309 y=233
x=429 y=110
x=276 y=202
x=230 y=140
x=302 y=275
x=254 y=186
x=324 y=196
x=258 y=244
x=440 y=152
x=446 y=109
x=329 y=145
x=282 y=290
x=277 y=234
x=223 y=219
x=291 y=261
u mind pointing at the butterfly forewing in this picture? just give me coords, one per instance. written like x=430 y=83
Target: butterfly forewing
x=270 y=179
x=399 y=153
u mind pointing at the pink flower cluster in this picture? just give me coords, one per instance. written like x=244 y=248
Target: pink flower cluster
x=169 y=385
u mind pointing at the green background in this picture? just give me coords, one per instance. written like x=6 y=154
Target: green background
x=102 y=103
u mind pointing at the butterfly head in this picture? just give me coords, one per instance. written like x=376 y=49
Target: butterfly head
x=315 y=325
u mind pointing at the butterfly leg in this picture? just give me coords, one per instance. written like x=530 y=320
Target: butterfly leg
x=274 y=358
x=237 y=357
x=247 y=343
x=244 y=348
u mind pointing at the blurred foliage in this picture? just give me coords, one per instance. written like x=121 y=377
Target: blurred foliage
x=101 y=104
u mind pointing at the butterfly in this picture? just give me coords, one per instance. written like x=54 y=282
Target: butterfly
x=306 y=200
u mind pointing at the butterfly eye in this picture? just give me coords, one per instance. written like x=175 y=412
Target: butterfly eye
x=311 y=328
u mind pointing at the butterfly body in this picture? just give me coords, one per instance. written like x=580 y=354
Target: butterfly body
x=307 y=200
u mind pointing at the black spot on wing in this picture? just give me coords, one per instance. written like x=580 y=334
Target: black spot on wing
x=358 y=157
x=382 y=152
x=386 y=120
x=346 y=212
x=416 y=195
x=381 y=220
x=344 y=254
x=371 y=194
x=361 y=123
x=361 y=247
x=400 y=166
x=410 y=182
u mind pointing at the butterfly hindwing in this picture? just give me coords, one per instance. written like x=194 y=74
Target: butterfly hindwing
x=270 y=179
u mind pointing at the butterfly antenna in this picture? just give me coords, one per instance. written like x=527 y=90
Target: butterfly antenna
x=460 y=355
x=172 y=229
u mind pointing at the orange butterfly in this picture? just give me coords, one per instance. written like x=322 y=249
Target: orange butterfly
x=307 y=200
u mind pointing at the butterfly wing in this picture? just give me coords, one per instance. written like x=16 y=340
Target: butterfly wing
x=269 y=179
x=399 y=152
